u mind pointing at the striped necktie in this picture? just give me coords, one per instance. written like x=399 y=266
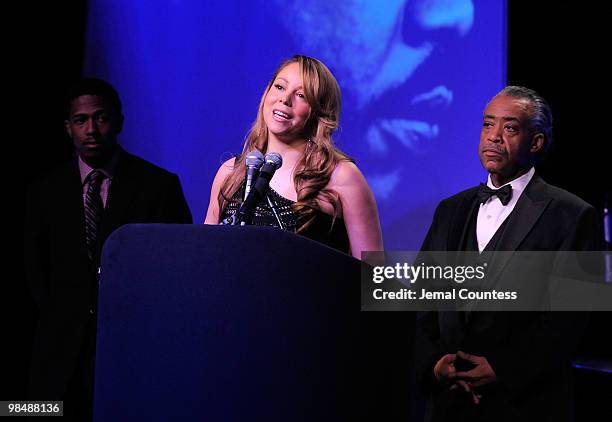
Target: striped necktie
x=93 y=211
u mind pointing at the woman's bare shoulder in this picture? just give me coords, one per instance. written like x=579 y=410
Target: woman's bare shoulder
x=346 y=173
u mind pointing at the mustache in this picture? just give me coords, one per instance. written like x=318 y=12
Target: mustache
x=494 y=148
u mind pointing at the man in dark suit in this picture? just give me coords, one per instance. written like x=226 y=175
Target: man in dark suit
x=69 y=214
x=516 y=364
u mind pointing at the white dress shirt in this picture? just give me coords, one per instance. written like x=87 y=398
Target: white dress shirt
x=493 y=213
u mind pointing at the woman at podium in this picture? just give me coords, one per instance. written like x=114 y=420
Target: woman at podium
x=317 y=191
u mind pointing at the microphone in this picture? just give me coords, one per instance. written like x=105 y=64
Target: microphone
x=273 y=161
x=254 y=161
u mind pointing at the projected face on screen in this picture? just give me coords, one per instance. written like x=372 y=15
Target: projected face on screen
x=374 y=48
x=402 y=99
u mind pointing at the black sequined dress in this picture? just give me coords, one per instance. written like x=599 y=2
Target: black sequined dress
x=277 y=211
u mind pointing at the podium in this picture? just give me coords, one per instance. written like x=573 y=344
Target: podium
x=218 y=323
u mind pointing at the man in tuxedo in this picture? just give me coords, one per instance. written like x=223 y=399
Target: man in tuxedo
x=505 y=366
x=70 y=212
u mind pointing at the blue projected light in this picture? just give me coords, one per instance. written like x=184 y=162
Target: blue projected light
x=415 y=77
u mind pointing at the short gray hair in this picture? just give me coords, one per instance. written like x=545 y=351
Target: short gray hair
x=541 y=116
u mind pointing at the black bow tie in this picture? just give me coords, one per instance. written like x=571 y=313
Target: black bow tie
x=504 y=193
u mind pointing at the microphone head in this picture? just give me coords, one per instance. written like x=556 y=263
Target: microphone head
x=275 y=159
x=254 y=159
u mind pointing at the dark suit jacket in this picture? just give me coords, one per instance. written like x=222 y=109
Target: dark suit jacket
x=61 y=278
x=529 y=351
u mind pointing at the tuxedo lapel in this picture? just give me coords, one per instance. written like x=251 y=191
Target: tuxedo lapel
x=69 y=191
x=521 y=221
x=461 y=221
x=120 y=196
x=525 y=215
x=452 y=328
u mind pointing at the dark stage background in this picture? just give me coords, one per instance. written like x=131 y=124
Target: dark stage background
x=558 y=50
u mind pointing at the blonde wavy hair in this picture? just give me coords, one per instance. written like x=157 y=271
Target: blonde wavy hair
x=314 y=169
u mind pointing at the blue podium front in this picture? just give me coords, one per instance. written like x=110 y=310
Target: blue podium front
x=216 y=323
